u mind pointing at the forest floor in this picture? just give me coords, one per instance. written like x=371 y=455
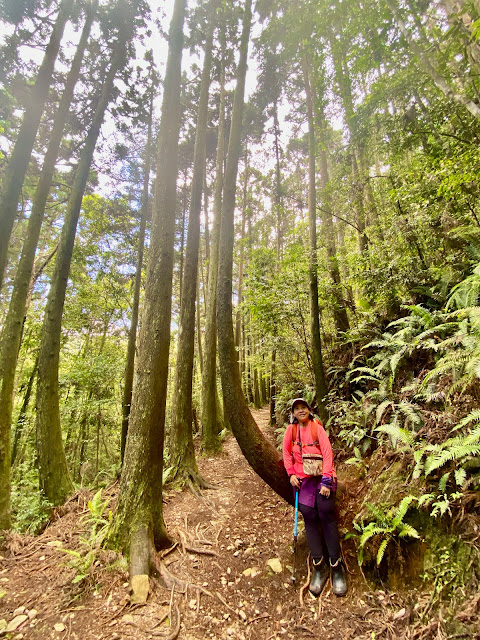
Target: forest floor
x=225 y=590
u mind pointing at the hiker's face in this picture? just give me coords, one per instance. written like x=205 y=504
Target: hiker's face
x=301 y=412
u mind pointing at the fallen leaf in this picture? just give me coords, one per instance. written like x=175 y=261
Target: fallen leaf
x=15 y=623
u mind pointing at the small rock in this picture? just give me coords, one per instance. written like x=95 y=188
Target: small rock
x=238 y=543
x=275 y=565
x=18 y=611
x=236 y=554
x=32 y=613
x=400 y=614
x=15 y=623
x=127 y=618
x=140 y=589
x=59 y=626
x=229 y=571
x=242 y=615
x=42 y=558
x=192 y=604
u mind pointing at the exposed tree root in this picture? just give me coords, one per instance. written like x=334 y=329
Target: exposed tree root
x=306 y=583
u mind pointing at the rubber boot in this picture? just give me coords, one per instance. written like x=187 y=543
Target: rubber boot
x=339 y=578
x=320 y=576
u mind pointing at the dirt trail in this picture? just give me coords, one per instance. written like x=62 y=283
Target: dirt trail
x=226 y=537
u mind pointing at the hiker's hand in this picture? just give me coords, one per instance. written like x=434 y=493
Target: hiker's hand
x=294 y=481
x=325 y=491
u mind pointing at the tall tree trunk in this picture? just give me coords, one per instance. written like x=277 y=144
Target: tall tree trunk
x=321 y=388
x=240 y=339
x=138 y=521
x=259 y=452
x=12 y=330
x=54 y=477
x=182 y=452
x=132 y=333
x=17 y=167
x=210 y=422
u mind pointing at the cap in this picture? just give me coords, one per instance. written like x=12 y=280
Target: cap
x=297 y=400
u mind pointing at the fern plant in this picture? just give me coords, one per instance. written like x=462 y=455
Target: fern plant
x=82 y=561
x=387 y=525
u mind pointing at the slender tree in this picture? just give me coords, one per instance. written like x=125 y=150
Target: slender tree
x=321 y=387
x=54 y=476
x=210 y=422
x=12 y=330
x=138 y=522
x=182 y=454
x=132 y=332
x=18 y=164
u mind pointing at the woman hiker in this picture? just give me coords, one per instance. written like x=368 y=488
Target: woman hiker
x=308 y=459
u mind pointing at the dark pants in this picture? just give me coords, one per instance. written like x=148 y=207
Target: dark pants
x=321 y=528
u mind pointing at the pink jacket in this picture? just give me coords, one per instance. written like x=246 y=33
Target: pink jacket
x=295 y=466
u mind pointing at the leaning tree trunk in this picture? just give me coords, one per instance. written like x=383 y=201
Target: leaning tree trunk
x=321 y=388
x=17 y=167
x=132 y=333
x=259 y=452
x=12 y=330
x=182 y=453
x=210 y=422
x=138 y=523
x=54 y=476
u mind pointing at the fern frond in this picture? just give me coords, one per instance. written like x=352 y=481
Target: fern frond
x=381 y=550
x=397 y=433
x=381 y=410
x=408 y=531
x=402 y=509
x=460 y=477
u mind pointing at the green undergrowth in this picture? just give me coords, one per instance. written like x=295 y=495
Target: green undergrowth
x=404 y=414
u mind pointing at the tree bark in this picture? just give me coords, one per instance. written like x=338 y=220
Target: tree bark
x=140 y=497
x=17 y=167
x=259 y=452
x=12 y=330
x=132 y=333
x=54 y=476
x=182 y=453
x=321 y=387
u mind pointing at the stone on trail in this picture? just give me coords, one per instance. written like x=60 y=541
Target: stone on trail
x=140 y=589
x=15 y=623
x=59 y=626
x=275 y=565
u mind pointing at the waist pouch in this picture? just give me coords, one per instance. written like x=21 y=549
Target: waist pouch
x=312 y=464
